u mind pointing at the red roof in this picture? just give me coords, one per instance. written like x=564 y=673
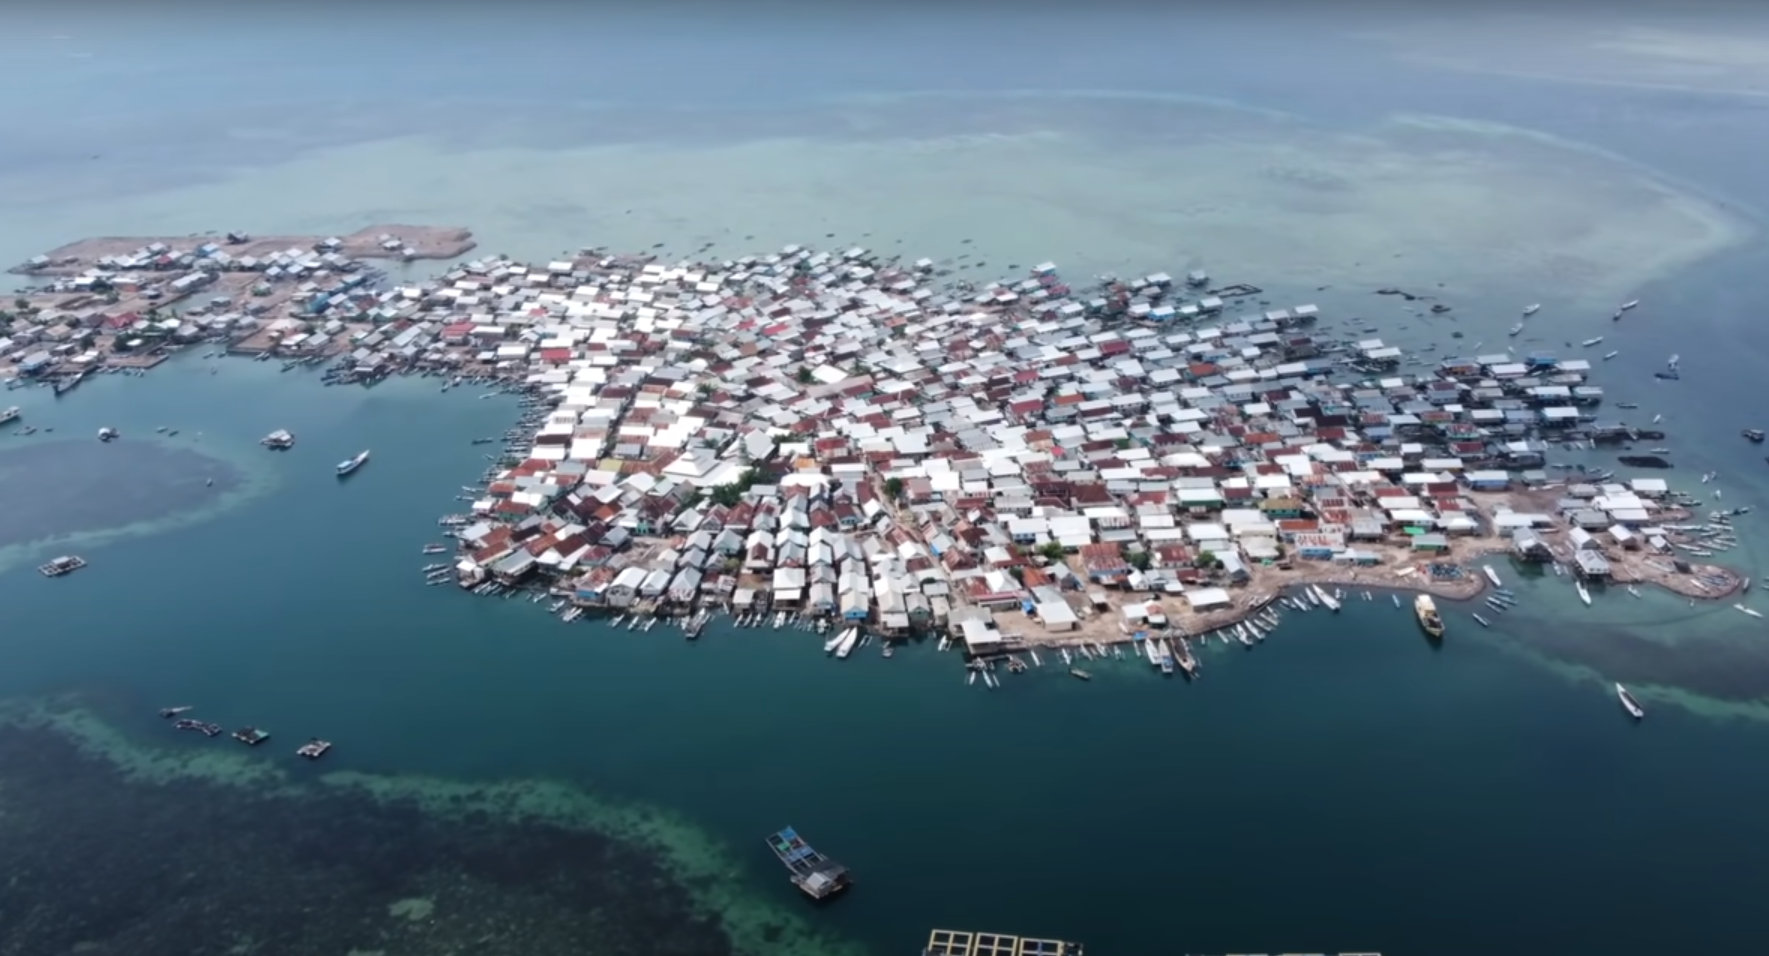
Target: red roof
x=555 y=355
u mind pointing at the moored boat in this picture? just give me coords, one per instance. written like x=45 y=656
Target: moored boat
x=1584 y=595
x=1492 y=575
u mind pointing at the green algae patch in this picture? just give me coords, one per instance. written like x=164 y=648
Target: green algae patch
x=115 y=844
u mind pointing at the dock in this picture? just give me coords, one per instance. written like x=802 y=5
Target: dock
x=951 y=942
x=817 y=875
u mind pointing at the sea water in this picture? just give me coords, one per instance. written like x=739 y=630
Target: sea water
x=524 y=785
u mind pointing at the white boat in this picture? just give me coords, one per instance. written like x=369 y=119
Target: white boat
x=1634 y=591
x=1609 y=355
x=1492 y=575
x=1629 y=704
x=1515 y=329
x=1584 y=595
x=1481 y=621
x=779 y=619
x=830 y=645
x=350 y=465
x=846 y=647
x=1630 y=304
x=1329 y=600
x=1532 y=309
x=1748 y=610
x=1590 y=342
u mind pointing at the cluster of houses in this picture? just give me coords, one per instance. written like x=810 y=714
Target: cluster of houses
x=123 y=303
x=834 y=432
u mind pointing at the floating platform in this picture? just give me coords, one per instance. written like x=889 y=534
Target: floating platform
x=817 y=875
x=951 y=942
x=314 y=749
x=251 y=736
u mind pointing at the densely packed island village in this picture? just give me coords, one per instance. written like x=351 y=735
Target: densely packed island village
x=882 y=449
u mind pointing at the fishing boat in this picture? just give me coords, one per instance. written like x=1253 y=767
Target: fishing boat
x=1530 y=310
x=1630 y=304
x=1753 y=434
x=350 y=465
x=834 y=641
x=846 y=647
x=1584 y=595
x=1425 y=610
x=1590 y=342
x=1515 y=329
x=314 y=749
x=816 y=875
x=1079 y=674
x=1331 y=602
x=1609 y=355
x=1629 y=704
x=1491 y=575
x=251 y=736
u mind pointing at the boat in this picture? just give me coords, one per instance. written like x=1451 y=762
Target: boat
x=1753 y=434
x=1425 y=609
x=848 y=641
x=1584 y=595
x=1629 y=704
x=170 y=712
x=1590 y=342
x=1530 y=310
x=1630 y=304
x=830 y=645
x=279 y=440
x=1481 y=621
x=1331 y=602
x=10 y=414
x=1079 y=674
x=201 y=726
x=350 y=465
x=1609 y=355
x=1492 y=575
x=314 y=748
x=251 y=736
x=816 y=875
x=1748 y=610
x=66 y=564
x=1515 y=329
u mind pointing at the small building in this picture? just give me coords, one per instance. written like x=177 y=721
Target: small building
x=1591 y=565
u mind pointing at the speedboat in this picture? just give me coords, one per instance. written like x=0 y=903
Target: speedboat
x=1630 y=304
x=1629 y=704
x=170 y=712
x=1531 y=309
x=1584 y=595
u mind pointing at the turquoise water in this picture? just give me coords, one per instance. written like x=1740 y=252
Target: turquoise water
x=1342 y=786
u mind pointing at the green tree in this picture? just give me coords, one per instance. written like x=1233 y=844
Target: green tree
x=804 y=375
x=1052 y=550
x=1206 y=559
x=1140 y=560
x=22 y=304
x=894 y=488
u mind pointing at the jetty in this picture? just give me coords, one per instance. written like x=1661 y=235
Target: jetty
x=816 y=875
